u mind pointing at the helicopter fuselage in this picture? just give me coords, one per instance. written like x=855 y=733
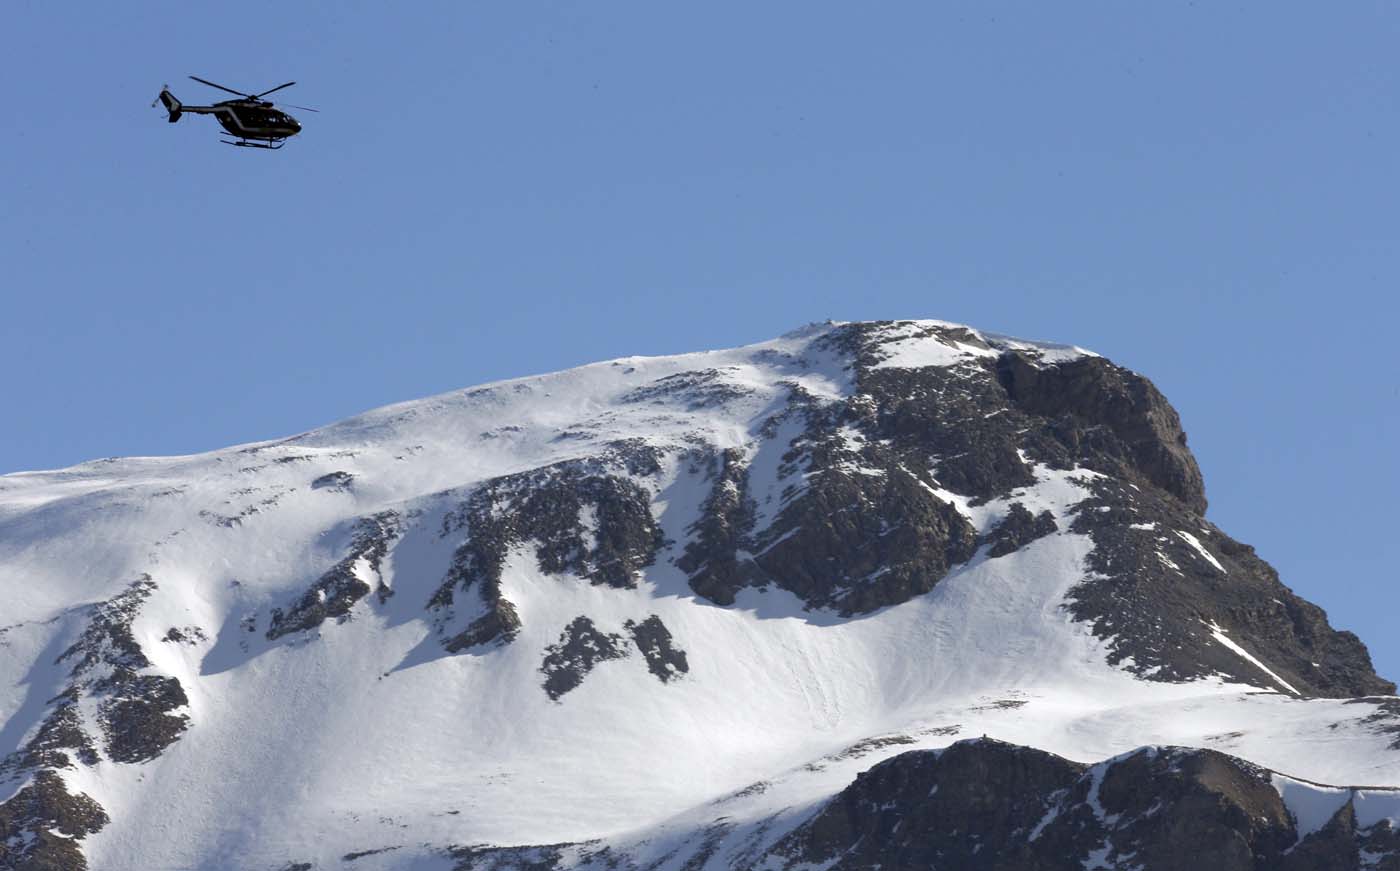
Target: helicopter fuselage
x=255 y=121
x=249 y=120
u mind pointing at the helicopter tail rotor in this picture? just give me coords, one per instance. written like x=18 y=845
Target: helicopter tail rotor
x=172 y=105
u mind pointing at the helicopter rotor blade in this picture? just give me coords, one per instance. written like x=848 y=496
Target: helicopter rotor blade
x=302 y=108
x=220 y=87
x=278 y=88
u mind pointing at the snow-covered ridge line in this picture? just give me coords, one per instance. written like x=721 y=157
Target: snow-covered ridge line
x=648 y=592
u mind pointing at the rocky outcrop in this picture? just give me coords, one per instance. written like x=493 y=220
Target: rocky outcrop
x=664 y=659
x=691 y=391
x=59 y=739
x=41 y=825
x=1109 y=419
x=1019 y=528
x=138 y=713
x=134 y=715
x=582 y=518
x=855 y=472
x=337 y=591
x=865 y=516
x=580 y=648
x=877 y=461
x=1165 y=581
x=858 y=525
x=982 y=804
x=337 y=482
x=715 y=557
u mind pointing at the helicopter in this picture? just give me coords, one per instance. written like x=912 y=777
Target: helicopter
x=255 y=121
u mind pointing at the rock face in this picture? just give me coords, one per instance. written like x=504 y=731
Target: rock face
x=580 y=648
x=869 y=519
x=1018 y=529
x=664 y=659
x=1108 y=419
x=114 y=707
x=983 y=804
x=1168 y=582
x=41 y=824
x=604 y=600
x=587 y=518
x=337 y=591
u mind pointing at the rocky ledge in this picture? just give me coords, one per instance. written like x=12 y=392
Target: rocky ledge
x=985 y=805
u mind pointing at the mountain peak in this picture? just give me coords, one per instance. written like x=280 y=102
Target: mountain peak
x=639 y=595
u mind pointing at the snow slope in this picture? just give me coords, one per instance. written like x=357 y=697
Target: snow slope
x=365 y=734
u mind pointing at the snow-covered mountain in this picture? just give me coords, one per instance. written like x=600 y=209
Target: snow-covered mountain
x=897 y=594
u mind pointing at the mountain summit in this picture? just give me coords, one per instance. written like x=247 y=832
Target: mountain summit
x=894 y=594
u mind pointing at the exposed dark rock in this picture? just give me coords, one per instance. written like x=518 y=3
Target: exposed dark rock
x=958 y=416
x=654 y=640
x=861 y=526
x=107 y=640
x=983 y=805
x=500 y=624
x=1154 y=801
x=857 y=530
x=136 y=717
x=706 y=388
x=334 y=481
x=61 y=731
x=41 y=825
x=1113 y=421
x=1155 y=597
x=360 y=854
x=971 y=806
x=337 y=591
x=582 y=518
x=1380 y=844
x=580 y=647
x=190 y=635
x=856 y=541
x=710 y=838
x=712 y=557
x=1334 y=847
x=862 y=748
x=987 y=805
x=485 y=858
x=137 y=712
x=1018 y=529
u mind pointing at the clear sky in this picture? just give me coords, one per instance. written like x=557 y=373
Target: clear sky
x=1205 y=192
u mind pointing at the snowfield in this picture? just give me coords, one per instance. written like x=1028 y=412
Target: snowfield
x=365 y=734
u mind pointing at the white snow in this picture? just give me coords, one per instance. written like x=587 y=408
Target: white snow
x=1375 y=805
x=1219 y=635
x=1201 y=549
x=916 y=344
x=366 y=734
x=1310 y=804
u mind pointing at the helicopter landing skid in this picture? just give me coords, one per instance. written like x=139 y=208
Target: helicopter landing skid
x=243 y=143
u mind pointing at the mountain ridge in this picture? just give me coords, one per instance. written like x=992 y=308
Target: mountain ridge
x=651 y=581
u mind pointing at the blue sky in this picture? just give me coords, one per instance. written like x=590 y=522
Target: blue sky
x=1206 y=193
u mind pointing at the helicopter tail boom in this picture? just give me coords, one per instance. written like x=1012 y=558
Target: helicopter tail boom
x=172 y=105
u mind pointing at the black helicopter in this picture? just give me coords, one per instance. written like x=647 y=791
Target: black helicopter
x=255 y=121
